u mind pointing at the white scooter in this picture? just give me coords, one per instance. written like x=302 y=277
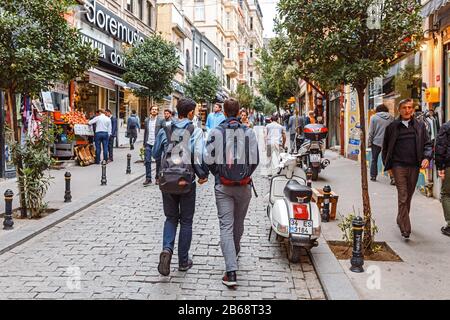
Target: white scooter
x=291 y=213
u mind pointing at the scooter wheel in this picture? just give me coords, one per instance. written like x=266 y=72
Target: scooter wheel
x=294 y=253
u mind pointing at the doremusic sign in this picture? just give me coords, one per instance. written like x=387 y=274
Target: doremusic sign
x=107 y=54
x=111 y=24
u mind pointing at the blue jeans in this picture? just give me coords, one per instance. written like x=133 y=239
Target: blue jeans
x=101 y=138
x=179 y=209
x=148 y=162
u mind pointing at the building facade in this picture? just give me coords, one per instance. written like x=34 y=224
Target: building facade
x=226 y=23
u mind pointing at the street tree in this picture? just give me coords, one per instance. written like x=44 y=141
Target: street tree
x=278 y=78
x=354 y=41
x=244 y=95
x=258 y=104
x=202 y=86
x=37 y=48
x=153 y=65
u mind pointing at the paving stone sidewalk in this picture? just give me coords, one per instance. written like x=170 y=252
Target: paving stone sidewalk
x=111 y=251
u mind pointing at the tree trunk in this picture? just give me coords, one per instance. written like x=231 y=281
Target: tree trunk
x=341 y=120
x=367 y=241
x=327 y=116
x=12 y=104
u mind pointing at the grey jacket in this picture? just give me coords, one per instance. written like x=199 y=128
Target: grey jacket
x=377 y=127
x=160 y=122
x=294 y=123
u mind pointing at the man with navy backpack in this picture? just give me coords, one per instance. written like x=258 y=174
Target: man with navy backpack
x=232 y=157
x=179 y=147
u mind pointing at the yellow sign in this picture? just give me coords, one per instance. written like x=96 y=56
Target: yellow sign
x=432 y=95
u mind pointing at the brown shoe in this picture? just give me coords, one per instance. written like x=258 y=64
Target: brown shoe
x=147 y=182
x=157 y=181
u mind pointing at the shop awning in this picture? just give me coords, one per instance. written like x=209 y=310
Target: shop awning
x=432 y=6
x=109 y=81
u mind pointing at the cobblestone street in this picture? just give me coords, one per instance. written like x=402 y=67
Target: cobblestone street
x=111 y=251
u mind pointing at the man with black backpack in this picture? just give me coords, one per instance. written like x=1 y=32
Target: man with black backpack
x=232 y=157
x=180 y=148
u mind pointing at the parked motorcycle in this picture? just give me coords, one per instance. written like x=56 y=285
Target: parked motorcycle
x=312 y=147
x=291 y=213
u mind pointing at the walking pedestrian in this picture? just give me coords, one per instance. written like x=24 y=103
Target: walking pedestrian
x=275 y=140
x=112 y=136
x=406 y=149
x=102 y=133
x=152 y=126
x=179 y=198
x=245 y=120
x=442 y=159
x=377 y=127
x=295 y=127
x=132 y=128
x=168 y=117
x=234 y=161
x=215 y=118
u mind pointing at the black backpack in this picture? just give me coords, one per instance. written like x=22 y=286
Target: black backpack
x=238 y=172
x=177 y=172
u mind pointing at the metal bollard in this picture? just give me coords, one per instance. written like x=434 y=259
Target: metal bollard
x=357 y=260
x=103 y=182
x=128 y=164
x=326 y=204
x=68 y=194
x=8 y=222
x=309 y=177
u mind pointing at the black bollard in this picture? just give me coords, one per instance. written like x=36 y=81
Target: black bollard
x=8 y=222
x=326 y=204
x=128 y=164
x=68 y=194
x=309 y=177
x=357 y=260
x=103 y=182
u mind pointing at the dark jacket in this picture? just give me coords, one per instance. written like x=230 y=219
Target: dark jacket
x=214 y=157
x=160 y=122
x=442 y=150
x=424 y=148
x=113 y=126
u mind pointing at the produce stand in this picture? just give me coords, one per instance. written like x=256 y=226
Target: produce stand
x=73 y=141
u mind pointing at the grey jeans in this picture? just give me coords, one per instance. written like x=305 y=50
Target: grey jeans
x=232 y=205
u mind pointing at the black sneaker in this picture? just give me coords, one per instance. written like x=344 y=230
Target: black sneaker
x=405 y=236
x=229 y=279
x=373 y=178
x=446 y=230
x=164 y=262
x=392 y=182
x=186 y=266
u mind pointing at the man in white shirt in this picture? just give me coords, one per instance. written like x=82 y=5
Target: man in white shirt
x=152 y=126
x=275 y=138
x=102 y=133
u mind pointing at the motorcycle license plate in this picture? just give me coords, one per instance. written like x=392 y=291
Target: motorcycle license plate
x=314 y=157
x=301 y=226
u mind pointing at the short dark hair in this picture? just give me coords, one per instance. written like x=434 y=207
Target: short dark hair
x=405 y=101
x=168 y=110
x=231 y=107
x=381 y=108
x=133 y=111
x=108 y=110
x=274 y=117
x=243 y=110
x=184 y=106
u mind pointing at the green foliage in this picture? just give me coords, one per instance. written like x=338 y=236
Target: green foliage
x=269 y=108
x=38 y=47
x=244 y=95
x=202 y=86
x=35 y=156
x=279 y=78
x=347 y=232
x=330 y=39
x=152 y=64
x=258 y=104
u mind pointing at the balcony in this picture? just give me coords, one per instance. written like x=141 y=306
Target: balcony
x=231 y=67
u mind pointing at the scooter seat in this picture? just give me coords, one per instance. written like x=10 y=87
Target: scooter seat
x=296 y=192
